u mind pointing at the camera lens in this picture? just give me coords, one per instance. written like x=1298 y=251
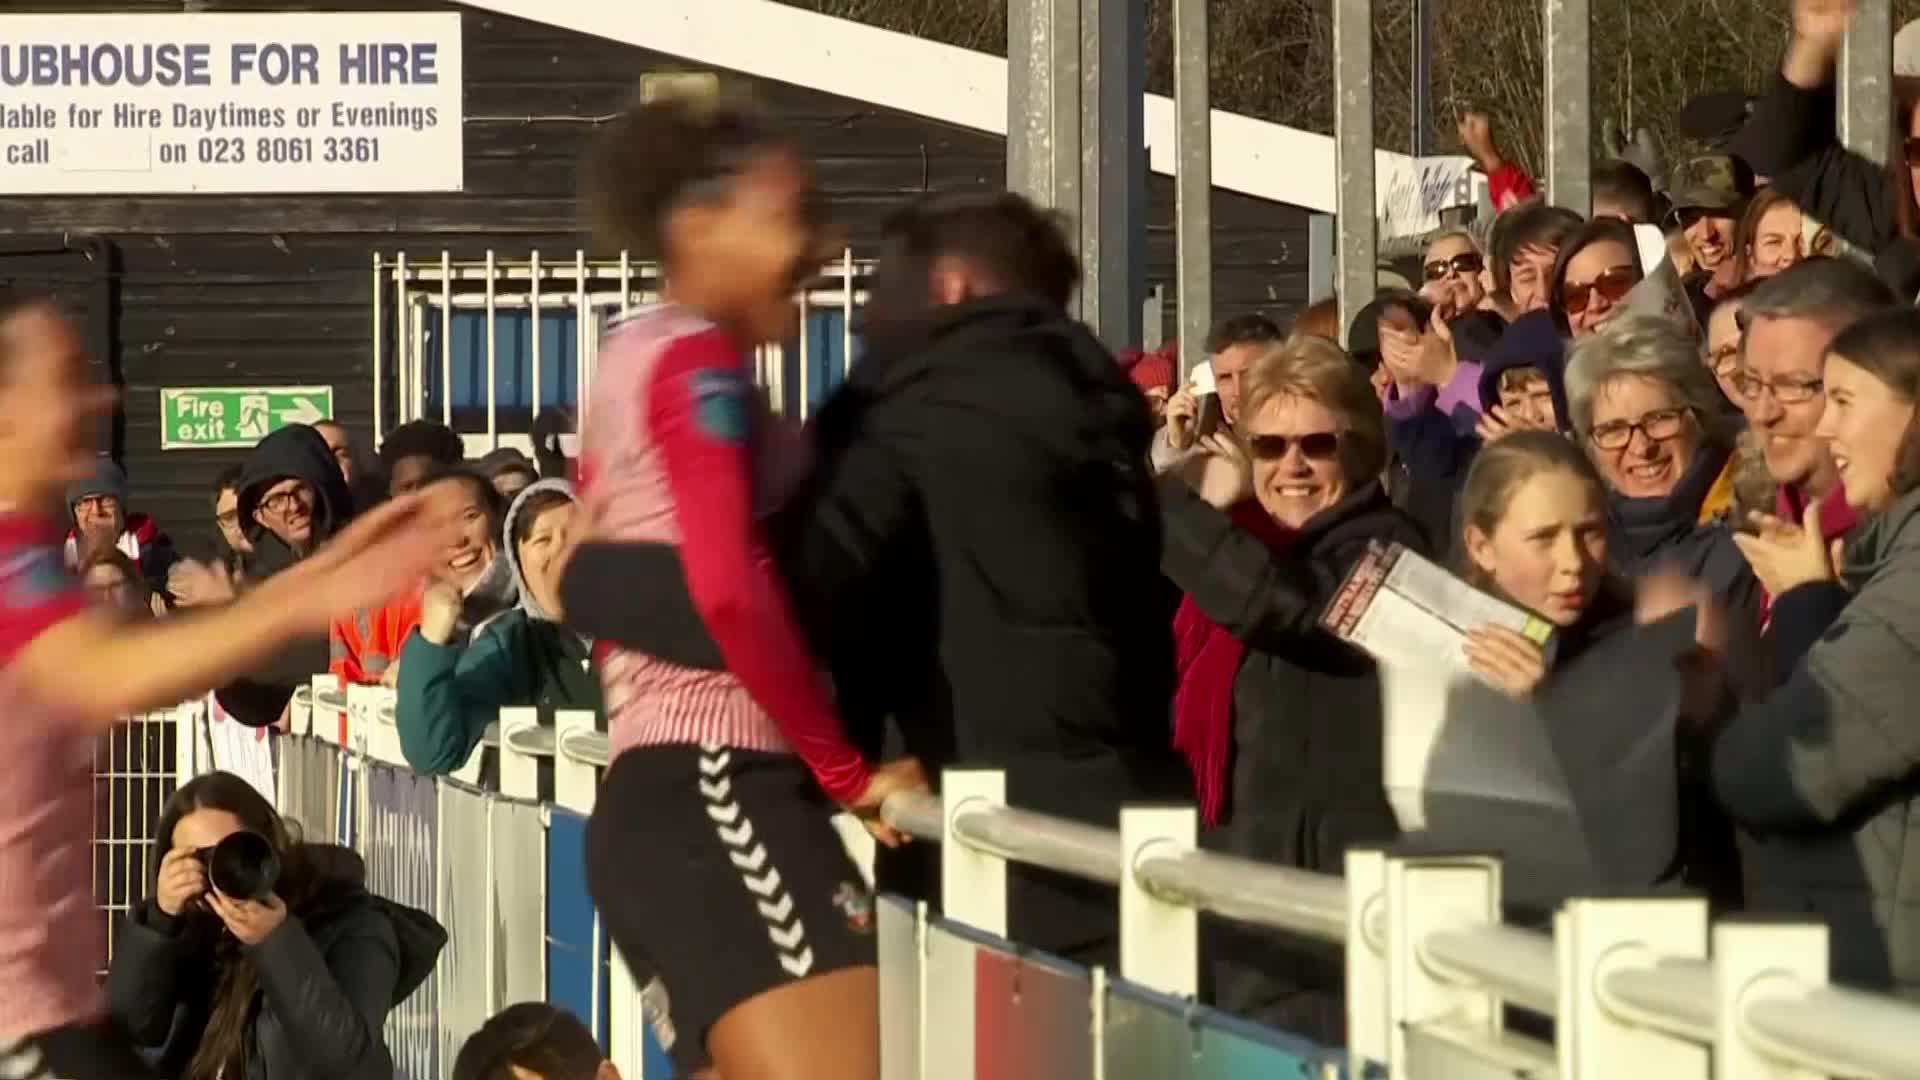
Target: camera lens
x=244 y=867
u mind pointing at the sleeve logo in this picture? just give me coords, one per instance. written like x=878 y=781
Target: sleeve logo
x=722 y=406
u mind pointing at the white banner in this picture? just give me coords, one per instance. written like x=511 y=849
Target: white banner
x=281 y=104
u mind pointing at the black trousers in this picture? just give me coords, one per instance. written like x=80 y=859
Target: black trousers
x=73 y=1053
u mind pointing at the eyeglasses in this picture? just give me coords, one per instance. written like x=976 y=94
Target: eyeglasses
x=97 y=504
x=1463 y=264
x=281 y=502
x=1314 y=446
x=1658 y=426
x=1784 y=391
x=1614 y=284
x=1722 y=358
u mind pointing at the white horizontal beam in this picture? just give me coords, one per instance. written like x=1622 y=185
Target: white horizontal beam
x=931 y=79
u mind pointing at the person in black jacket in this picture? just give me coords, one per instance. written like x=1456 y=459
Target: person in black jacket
x=1792 y=139
x=1279 y=720
x=292 y=984
x=292 y=499
x=972 y=549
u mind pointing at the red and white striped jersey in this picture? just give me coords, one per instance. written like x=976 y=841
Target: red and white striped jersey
x=670 y=453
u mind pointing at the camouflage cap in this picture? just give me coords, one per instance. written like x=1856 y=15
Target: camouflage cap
x=1713 y=182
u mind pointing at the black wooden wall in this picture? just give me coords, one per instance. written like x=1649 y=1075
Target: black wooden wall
x=261 y=290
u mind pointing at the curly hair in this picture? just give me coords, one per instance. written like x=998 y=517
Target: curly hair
x=660 y=155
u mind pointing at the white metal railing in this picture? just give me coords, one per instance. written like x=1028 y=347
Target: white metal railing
x=593 y=291
x=1641 y=987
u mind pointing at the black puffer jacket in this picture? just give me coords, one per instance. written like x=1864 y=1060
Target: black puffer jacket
x=327 y=978
x=1306 y=779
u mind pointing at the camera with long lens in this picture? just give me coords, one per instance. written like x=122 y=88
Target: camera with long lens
x=244 y=866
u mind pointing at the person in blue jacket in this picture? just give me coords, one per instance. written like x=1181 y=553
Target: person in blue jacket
x=448 y=693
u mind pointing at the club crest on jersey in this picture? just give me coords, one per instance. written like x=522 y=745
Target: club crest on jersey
x=856 y=905
x=722 y=406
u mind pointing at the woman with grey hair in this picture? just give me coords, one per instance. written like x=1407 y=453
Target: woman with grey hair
x=1649 y=415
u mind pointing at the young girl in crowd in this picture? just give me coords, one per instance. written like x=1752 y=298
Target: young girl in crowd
x=449 y=693
x=1534 y=531
x=366 y=648
x=291 y=983
x=741 y=899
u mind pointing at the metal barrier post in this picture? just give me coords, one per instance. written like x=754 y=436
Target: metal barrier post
x=1597 y=937
x=973 y=884
x=1159 y=940
x=574 y=781
x=1192 y=183
x=519 y=772
x=1426 y=894
x=1353 y=155
x=1113 y=168
x=1746 y=956
x=1863 y=82
x=1569 y=99
x=1368 y=1022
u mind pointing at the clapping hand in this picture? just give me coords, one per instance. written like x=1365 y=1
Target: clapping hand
x=1783 y=556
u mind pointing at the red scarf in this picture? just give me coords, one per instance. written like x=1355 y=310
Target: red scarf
x=1207 y=659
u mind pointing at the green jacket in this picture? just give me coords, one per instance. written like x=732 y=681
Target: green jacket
x=448 y=695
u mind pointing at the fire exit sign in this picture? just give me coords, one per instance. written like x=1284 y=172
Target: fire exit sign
x=205 y=418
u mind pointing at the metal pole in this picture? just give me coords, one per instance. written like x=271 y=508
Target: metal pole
x=1321 y=257
x=1422 y=78
x=1353 y=153
x=1193 y=183
x=1043 y=102
x=1865 y=82
x=1569 y=100
x=1113 y=180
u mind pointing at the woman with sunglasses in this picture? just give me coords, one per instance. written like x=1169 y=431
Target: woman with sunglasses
x=1279 y=720
x=1452 y=270
x=1596 y=270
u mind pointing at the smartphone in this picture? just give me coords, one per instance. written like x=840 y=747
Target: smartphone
x=1211 y=417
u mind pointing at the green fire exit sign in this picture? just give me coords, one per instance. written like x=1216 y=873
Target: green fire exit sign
x=200 y=418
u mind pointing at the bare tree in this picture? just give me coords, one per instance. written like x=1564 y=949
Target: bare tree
x=1274 y=58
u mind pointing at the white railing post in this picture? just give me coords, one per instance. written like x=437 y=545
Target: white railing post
x=1594 y=938
x=1368 y=1023
x=574 y=782
x=1426 y=894
x=973 y=884
x=1159 y=939
x=519 y=772
x=1747 y=955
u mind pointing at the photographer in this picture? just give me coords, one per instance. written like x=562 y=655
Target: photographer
x=261 y=958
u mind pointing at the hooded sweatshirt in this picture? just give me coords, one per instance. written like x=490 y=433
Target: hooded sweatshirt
x=448 y=694
x=298 y=452
x=294 y=452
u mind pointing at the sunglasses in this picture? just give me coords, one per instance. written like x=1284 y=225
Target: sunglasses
x=1463 y=265
x=1314 y=446
x=1615 y=284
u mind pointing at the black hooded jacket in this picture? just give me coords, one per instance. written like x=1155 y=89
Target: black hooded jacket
x=299 y=452
x=296 y=451
x=975 y=554
x=326 y=978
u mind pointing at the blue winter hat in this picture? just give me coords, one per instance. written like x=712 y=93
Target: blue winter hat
x=1532 y=341
x=107 y=479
